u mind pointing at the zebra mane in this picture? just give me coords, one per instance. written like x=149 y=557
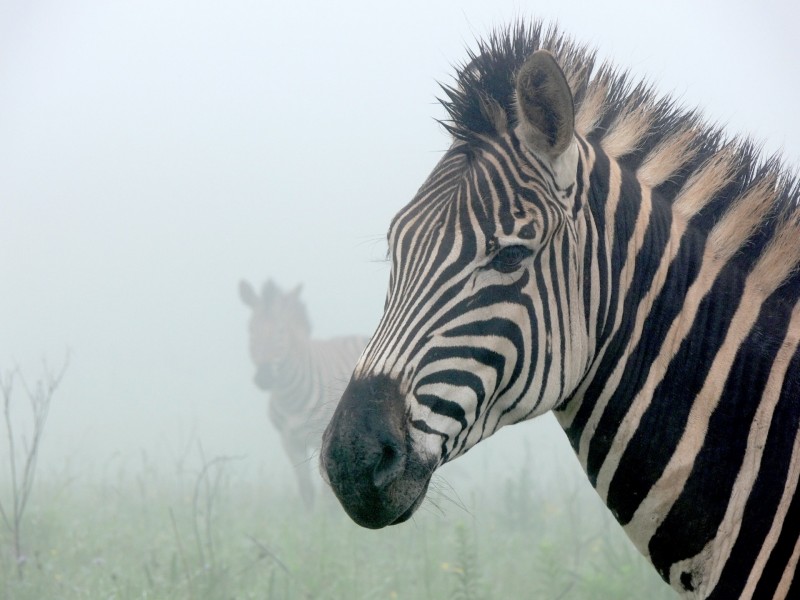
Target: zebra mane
x=275 y=300
x=667 y=145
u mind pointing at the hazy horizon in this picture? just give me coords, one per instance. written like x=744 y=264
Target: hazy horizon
x=153 y=154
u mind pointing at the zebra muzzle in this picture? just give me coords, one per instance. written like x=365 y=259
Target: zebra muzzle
x=367 y=456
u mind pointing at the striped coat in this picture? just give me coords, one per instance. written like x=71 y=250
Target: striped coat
x=587 y=247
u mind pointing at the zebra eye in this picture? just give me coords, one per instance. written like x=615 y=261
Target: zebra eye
x=507 y=260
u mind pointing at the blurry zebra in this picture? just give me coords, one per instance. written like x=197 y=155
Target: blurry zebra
x=588 y=248
x=304 y=376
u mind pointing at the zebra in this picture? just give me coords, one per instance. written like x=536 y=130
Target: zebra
x=304 y=376
x=590 y=247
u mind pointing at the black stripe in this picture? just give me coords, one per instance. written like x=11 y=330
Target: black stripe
x=441 y=406
x=794 y=589
x=554 y=289
x=446 y=286
x=666 y=307
x=425 y=428
x=610 y=286
x=767 y=491
x=778 y=559
x=695 y=517
x=547 y=323
x=647 y=261
x=652 y=445
x=598 y=196
x=490 y=358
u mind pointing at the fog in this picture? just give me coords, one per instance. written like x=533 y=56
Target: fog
x=154 y=153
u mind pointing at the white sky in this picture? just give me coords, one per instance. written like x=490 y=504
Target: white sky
x=154 y=152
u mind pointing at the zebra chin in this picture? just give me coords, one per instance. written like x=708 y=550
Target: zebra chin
x=368 y=458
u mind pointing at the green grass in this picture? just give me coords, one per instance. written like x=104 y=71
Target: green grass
x=218 y=535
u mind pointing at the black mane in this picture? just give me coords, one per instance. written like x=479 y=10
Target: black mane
x=486 y=82
x=490 y=71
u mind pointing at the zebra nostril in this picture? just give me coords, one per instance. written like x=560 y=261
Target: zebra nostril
x=390 y=465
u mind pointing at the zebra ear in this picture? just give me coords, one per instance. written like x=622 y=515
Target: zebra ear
x=295 y=293
x=544 y=105
x=247 y=293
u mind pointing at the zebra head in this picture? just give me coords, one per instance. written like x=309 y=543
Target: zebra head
x=279 y=329
x=484 y=322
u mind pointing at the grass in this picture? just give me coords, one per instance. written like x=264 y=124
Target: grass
x=216 y=534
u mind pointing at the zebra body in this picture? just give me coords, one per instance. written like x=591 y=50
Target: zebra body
x=304 y=376
x=588 y=248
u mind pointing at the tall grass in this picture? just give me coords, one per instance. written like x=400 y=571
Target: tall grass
x=212 y=533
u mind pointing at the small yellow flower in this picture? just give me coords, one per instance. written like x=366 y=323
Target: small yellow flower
x=451 y=568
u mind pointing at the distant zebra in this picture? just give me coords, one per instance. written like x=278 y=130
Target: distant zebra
x=304 y=376
x=587 y=247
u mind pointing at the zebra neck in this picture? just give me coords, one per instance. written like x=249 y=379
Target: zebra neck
x=632 y=264
x=293 y=378
x=687 y=308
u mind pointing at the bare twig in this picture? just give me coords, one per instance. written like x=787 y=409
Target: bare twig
x=266 y=552
x=206 y=490
x=187 y=572
x=23 y=453
x=7 y=388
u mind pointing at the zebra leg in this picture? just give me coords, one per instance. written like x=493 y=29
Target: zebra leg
x=298 y=456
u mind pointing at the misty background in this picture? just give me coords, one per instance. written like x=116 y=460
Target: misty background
x=153 y=153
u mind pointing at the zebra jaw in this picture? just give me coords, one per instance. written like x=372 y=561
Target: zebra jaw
x=367 y=456
x=265 y=377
